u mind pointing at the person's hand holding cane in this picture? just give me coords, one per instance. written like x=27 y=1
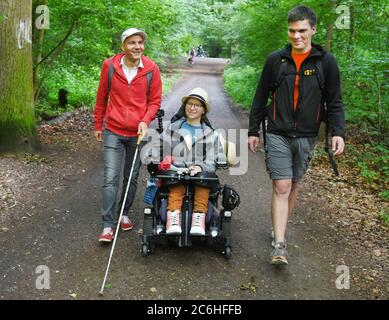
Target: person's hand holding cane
x=142 y=130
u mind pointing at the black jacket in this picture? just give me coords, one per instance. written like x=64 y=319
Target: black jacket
x=305 y=121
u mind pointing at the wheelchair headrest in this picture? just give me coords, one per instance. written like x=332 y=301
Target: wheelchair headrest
x=229 y=150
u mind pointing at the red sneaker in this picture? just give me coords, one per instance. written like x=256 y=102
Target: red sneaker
x=126 y=224
x=107 y=235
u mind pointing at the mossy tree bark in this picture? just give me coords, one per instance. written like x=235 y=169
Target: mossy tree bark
x=17 y=120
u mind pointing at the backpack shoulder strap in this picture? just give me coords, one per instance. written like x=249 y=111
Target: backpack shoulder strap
x=319 y=66
x=321 y=79
x=320 y=73
x=280 y=68
x=149 y=76
x=111 y=71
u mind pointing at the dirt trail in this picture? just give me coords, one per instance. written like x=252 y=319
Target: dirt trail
x=63 y=228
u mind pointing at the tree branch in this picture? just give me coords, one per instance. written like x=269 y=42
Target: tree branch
x=60 y=43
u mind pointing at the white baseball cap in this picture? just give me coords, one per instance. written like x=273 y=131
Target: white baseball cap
x=130 y=32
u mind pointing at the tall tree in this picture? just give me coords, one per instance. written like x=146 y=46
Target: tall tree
x=330 y=25
x=17 y=122
x=38 y=35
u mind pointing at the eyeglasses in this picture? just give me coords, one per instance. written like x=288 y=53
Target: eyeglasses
x=194 y=105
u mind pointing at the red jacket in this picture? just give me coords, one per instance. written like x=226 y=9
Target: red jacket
x=127 y=105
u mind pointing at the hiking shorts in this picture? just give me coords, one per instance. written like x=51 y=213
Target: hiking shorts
x=288 y=158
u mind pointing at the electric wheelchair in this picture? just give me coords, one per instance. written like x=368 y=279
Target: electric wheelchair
x=218 y=219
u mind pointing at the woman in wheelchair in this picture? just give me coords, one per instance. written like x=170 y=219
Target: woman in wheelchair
x=191 y=143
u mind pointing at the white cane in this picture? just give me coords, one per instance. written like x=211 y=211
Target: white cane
x=121 y=212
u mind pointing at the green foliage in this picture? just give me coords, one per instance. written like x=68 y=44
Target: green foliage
x=374 y=163
x=365 y=92
x=108 y=285
x=240 y=83
x=35 y=158
x=367 y=173
x=168 y=81
x=46 y=111
x=216 y=23
x=80 y=82
x=385 y=195
x=257 y=28
x=203 y=22
x=384 y=217
x=95 y=28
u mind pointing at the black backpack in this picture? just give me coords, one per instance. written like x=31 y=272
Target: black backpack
x=280 y=75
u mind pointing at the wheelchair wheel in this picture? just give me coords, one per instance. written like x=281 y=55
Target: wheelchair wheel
x=227 y=252
x=144 y=250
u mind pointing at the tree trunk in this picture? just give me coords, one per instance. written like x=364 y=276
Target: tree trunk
x=330 y=25
x=36 y=76
x=17 y=120
x=38 y=48
x=352 y=31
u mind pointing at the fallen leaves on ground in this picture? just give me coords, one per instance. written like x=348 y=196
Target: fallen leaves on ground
x=26 y=179
x=249 y=286
x=352 y=208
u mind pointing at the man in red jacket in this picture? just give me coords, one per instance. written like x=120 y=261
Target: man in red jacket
x=128 y=98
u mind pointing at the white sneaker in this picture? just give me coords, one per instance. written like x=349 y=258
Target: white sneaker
x=173 y=224
x=198 y=224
